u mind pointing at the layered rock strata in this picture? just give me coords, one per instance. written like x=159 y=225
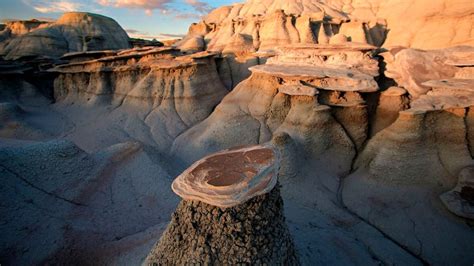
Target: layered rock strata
x=166 y=91
x=319 y=104
x=250 y=229
x=425 y=154
x=265 y=24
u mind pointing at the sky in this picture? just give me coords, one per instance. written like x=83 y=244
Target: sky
x=148 y=19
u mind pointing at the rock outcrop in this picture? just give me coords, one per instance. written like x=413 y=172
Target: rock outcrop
x=73 y=32
x=166 y=92
x=266 y=24
x=316 y=98
x=231 y=213
x=406 y=167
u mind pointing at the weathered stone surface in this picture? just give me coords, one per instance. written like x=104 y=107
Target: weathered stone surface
x=394 y=91
x=229 y=178
x=166 y=91
x=254 y=232
x=460 y=200
x=271 y=23
x=298 y=89
x=351 y=56
x=325 y=78
x=410 y=68
x=73 y=32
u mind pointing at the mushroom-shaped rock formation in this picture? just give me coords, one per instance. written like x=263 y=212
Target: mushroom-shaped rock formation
x=291 y=93
x=231 y=213
x=460 y=200
x=231 y=177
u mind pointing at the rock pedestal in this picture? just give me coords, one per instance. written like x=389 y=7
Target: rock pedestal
x=252 y=232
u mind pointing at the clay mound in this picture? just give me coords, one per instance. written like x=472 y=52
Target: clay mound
x=75 y=31
x=253 y=232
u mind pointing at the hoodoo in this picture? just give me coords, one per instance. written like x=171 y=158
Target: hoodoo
x=231 y=213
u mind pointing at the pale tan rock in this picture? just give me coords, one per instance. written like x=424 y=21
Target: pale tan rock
x=338 y=39
x=230 y=177
x=410 y=68
x=238 y=43
x=465 y=73
x=324 y=78
x=427 y=25
x=345 y=56
x=460 y=199
x=20 y=27
x=298 y=89
x=192 y=44
x=394 y=91
x=72 y=32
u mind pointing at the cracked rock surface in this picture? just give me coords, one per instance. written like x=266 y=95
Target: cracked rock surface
x=254 y=233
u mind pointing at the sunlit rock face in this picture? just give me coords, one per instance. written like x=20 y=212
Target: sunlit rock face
x=231 y=213
x=411 y=67
x=72 y=32
x=316 y=98
x=163 y=91
x=266 y=24
x=241 y=29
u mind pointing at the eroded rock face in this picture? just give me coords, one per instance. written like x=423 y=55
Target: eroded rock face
x=166 y=91
x=72 y=32
x=230 y=177
x=410 y=68
x=271 y=23
x=407 y=166
x=291 y=94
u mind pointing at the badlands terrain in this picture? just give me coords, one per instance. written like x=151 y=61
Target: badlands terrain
x=352 y=120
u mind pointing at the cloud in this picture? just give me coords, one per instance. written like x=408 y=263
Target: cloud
x=145 y=35
x=187 y=16
x=55 y=6
x=199 y=6
x=166 y=7
x=147 y=5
